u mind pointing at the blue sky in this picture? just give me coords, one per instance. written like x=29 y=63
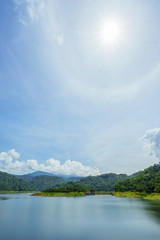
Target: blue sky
x=71 y=90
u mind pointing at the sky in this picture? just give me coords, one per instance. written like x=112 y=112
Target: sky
x=79 y=86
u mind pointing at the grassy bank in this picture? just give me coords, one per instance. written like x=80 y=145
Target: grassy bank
x=70 y=194
x=59 y=194
x=152 y=196
x=2 y=192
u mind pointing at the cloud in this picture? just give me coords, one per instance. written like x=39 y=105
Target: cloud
x=29 y=10
x=151 y=142
x=74 y=168
x=60 y=40
x=8 y=162
x=9 y=156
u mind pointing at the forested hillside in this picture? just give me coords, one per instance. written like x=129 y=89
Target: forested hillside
x=103 y=182
x=147 y=181
x=12 y=183
x=28 y=182
x=43 y=182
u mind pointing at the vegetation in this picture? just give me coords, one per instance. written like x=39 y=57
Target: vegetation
x=43 y=182
x=139 y=184
x=68 y=189
x=12 y=183
x=147 y=181
x=152 y=196
x=65 y=190
x=34 y=182
x=105 y=182
x=60 y=194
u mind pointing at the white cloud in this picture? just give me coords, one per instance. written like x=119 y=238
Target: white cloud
x=14 y=154
x=7 y=157
x=69 y=167
x=8 y=162
x=151 y=142
x=60 y=40
x=32 y=165
x=29 y=10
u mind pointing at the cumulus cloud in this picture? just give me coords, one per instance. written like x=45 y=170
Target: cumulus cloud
x=151 y=142
x=8 y=161
x=9 y=164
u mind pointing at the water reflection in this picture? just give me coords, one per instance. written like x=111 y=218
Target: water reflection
x=4 y=198
x=153 y=209
x=93 y=217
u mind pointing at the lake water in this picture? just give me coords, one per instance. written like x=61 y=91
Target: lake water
x=100 y=217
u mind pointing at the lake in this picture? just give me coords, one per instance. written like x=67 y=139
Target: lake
x=100 y=217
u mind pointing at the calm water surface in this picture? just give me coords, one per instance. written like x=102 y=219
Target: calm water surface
x=23 y=217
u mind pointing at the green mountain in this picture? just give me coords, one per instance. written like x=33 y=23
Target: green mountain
x=28 y=182
x=42 y=182
x=12 y=183
x=147 y=181
x=103 y=182
x=39 y=181
x=29 y=176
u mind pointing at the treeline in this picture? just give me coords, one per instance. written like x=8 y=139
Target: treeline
x=105 y=182
x=12 y=183
x=68 y=189
x=43 y=182
x=32 y=182
x=147 y=181
x=9 y=182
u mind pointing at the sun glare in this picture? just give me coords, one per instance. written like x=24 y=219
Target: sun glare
x=110 y=33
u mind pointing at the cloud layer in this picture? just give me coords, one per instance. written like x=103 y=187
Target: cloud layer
x=151 y=142
x=9 y=163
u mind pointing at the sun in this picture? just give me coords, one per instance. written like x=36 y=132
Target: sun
x=110 y=33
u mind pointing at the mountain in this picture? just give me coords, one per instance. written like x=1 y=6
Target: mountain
x=30 y=176
x=104 y=182
x=9 y=182
x=146 y=181
x=39 y=181
x=43 y=181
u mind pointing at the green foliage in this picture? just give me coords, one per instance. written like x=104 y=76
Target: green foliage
x=43 y=182
x=9 y=182
x=147 y=181
x=31 y=182
x=67 y=189
x=103 y=182
x=12 y=183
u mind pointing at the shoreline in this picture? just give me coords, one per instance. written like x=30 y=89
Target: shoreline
x=143 y=195
x=59 y=194
x=7 y=192
x=69 y=194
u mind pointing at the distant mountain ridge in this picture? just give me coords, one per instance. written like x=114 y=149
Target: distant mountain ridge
x=30 y=176
x=39 y=180
x=40 y=173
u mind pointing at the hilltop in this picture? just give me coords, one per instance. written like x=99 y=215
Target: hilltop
x=147 y=181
